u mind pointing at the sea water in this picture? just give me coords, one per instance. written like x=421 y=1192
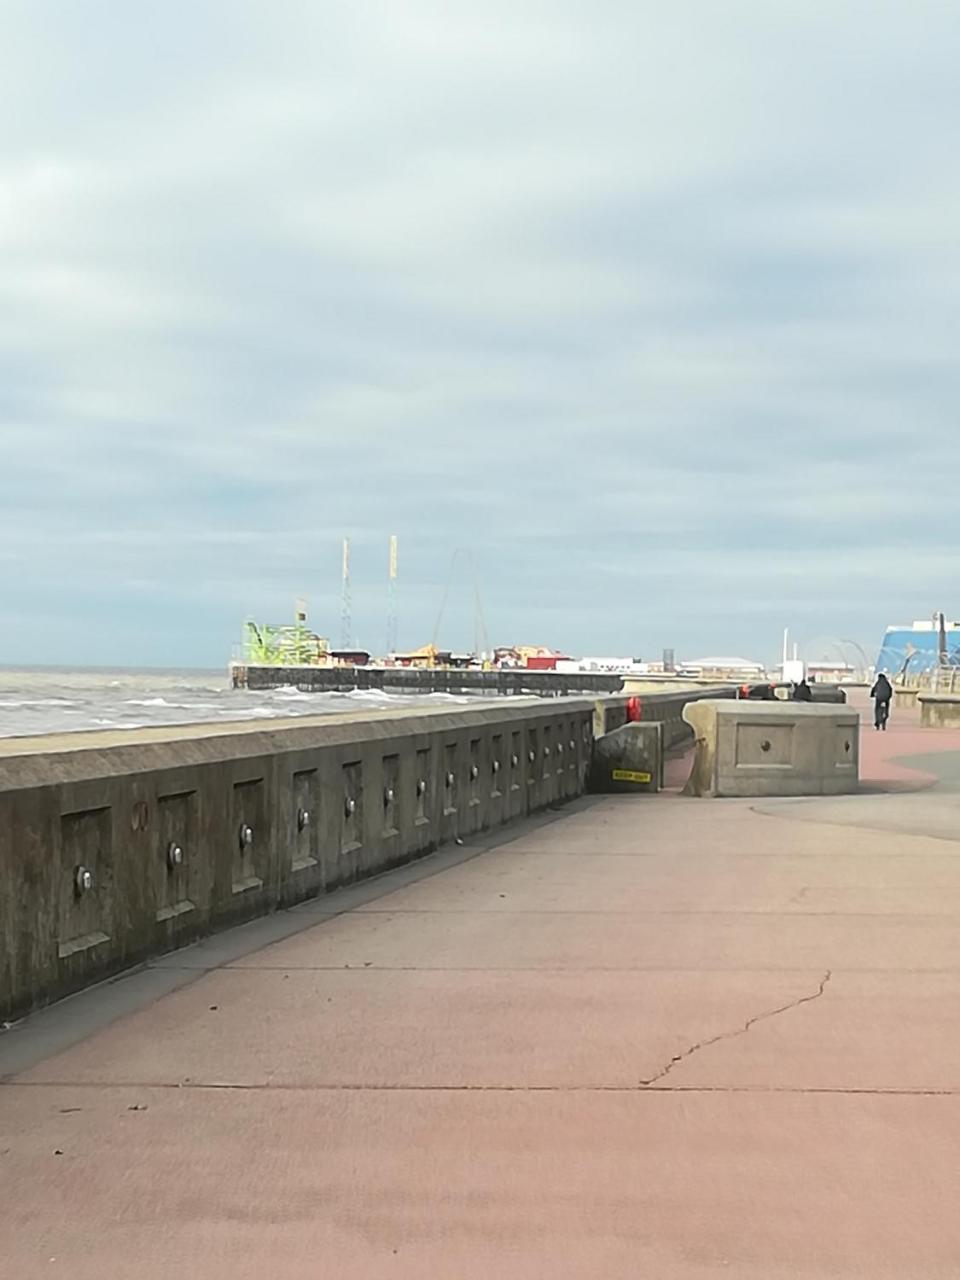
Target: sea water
x=63 y=700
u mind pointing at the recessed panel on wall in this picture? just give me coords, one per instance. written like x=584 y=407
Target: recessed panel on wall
x=249 y=835
x=305 y=819
x=86 y=875
x=496 y=765
x=176 y=856
x=352 y=830
x=450 y=780
x=423 y=786
x=764 y=746
x=391 y=795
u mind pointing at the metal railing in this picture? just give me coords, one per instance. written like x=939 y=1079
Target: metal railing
x=936 y=680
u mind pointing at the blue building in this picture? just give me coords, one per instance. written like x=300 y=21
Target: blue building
x=917 y=648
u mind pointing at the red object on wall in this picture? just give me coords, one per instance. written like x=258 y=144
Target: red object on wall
x=634 y=709
x=542 y=662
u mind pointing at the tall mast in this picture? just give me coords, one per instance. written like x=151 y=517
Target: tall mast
x=346 y=602
x=393 y=594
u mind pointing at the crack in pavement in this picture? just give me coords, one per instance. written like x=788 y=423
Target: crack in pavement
x=740 y=1031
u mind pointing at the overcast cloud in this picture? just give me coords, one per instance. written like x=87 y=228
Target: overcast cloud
x=652 y=307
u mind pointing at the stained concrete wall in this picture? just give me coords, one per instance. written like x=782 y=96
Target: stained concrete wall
x=939 y=710
x=905 y=696
x=773 y=749
x=262 y=817
x=665 y=708
x=628 y=760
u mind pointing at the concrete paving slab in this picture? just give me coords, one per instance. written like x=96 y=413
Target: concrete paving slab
x=744 y=883
x=907 y=755
x=930 y=813
x=436 y=1029
x=640 y=940
x=927 y=863
x=867 y=1031
x=572 y=1186
x=675 y=827
x=56 y=1029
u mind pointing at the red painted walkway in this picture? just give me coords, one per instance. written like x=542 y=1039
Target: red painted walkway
x=657 y=1037
x=882 y=750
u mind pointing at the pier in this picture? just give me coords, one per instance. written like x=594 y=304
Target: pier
x=345 y=679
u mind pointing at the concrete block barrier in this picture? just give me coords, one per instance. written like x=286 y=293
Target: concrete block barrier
x=939 y=710
x=628 y=759
x=829 y=693
x=773 y=749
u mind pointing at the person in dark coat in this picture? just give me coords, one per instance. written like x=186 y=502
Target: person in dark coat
x=802 y=691
x=882 y=693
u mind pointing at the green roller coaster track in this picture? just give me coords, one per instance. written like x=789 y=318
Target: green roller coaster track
x=282 y=646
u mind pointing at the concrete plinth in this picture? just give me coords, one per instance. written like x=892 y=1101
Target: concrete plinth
x=939 y=710
x=773 y=749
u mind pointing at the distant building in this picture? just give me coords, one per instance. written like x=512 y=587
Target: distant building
x=827 y=672
x=723 y=668
x=604 y=666
x=349 y=657
x=533 y=657
x=428 y=656
x=917 y=648
x=545 y=661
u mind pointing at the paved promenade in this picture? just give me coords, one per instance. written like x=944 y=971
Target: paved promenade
x=648 y=1037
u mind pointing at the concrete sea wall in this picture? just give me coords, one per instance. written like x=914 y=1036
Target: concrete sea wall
x=664 y=707
x=118 y=846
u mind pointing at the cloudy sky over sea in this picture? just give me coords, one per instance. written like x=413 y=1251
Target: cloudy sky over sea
x=651 y=306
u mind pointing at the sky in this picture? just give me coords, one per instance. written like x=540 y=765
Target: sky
x=636 y=320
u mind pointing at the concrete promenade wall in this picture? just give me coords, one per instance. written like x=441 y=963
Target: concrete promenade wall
x=664 y=707
x=118 y=846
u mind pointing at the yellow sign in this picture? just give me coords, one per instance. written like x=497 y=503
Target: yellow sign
x=630 y=775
